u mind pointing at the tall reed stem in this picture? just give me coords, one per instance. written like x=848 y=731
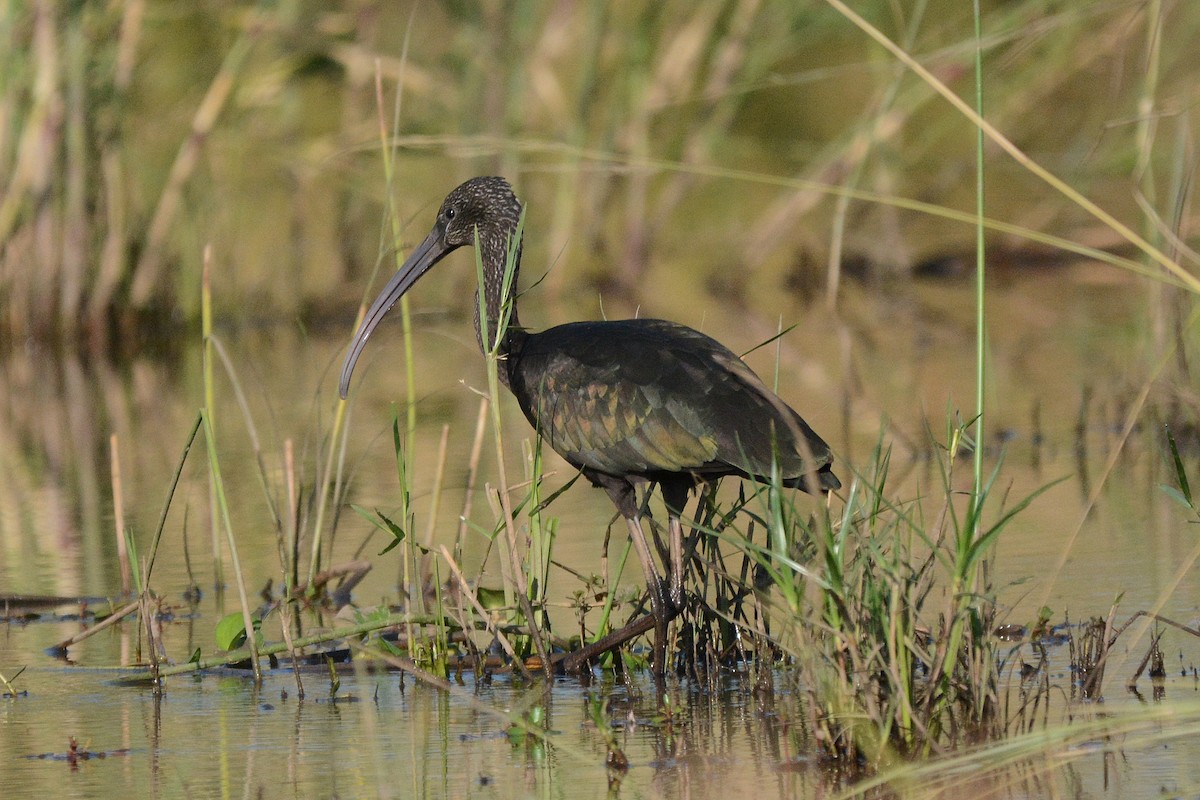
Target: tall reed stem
x=207 y=368
x=980 y=271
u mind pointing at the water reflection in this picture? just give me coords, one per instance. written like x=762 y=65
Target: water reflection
x=56 y=412
x=387 y=735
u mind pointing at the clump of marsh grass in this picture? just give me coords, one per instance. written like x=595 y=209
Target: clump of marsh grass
x=884 y=611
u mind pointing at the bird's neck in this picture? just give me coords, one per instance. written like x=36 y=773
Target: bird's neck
x=499 y=294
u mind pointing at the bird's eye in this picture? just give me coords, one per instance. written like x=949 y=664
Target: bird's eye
x=449 y=213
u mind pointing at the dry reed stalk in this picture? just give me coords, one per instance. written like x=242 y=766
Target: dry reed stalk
x=285 y=628
x=726 y=59
x=434 y=503
x=107 y=622
x=152 y=627
x=464 y=516
x=290 y=559
x=291 y=548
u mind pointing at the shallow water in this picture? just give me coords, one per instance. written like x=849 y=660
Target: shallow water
x=219 y=735
x=1067 y=366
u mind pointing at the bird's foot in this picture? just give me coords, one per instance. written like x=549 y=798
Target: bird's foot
x=670 y=599
x=659 y=660
x=675 y=599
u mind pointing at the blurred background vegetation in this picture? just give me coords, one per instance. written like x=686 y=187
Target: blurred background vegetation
x=134 y=133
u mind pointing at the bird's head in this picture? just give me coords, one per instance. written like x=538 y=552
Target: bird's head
x=486 y=205
x=483 y=207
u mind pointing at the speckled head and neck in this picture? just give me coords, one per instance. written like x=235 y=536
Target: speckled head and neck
x=487 y=208
x=483 y=211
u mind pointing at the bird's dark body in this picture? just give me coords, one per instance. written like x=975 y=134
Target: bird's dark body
x=652 y=399
x=638 y=400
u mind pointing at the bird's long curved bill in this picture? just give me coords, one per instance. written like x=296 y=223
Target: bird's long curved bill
x=424 y=256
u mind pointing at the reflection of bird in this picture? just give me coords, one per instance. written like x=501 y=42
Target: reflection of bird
x=626 y=402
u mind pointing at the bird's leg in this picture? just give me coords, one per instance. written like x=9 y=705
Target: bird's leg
x=654 y=587
x=675 y=494
x=621 y=492
x=676 y=562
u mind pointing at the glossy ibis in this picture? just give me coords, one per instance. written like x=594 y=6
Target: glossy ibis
x=629 y=402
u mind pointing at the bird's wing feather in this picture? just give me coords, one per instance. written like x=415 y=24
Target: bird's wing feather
x=646 y=396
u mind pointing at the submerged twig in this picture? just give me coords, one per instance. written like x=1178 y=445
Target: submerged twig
x=285 y=627
x=1153 y=658
x=109 y=621
x=1157 y=618
x=577 y=659
x=7 y=683
x=243 y=653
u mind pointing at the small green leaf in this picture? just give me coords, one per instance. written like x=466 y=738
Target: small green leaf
x=395 y=530
x=554 y=495
x=1176 y=495
x=1185 y=491
x=490 y=598
x=383 y=523
x=231 y=631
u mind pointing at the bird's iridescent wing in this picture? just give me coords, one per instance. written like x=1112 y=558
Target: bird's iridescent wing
x=645 y=396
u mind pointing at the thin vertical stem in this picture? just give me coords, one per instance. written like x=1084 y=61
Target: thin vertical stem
x=464 y=516
x=1143 y=171
x=214 y=465
x=291 y=547
x=119 y=514
x=980 y=264
x=435 y=502
x=162 y=519
x=206 y=357
x=337 y=444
